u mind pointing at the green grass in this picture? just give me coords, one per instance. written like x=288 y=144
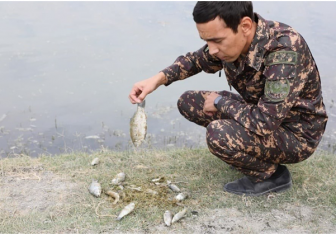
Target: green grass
x=197 y=171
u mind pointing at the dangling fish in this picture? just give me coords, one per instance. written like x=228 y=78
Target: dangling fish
x=138 y=125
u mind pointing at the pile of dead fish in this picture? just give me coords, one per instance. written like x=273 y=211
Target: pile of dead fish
x=168 y=217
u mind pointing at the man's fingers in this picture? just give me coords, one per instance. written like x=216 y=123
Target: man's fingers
x=134 y=99
x=134 y=95
x=209 y=113
x=131 y=99
x=143 y=94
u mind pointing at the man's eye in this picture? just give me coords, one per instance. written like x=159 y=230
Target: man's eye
x=218 y=41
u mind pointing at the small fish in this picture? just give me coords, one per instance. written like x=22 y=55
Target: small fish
x=133 y=187
x=160 y=179
x=113 y=195
x=173 y=187
x=95 y=188
x=141 y=167
x=167 y=218
x=138 y=125
x=128 y=209
x=181 y=196
x=119 y=178
x=179 y=215
x=95 y=161
x=150 y=191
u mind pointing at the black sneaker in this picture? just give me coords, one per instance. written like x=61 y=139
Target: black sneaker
x=279 y=181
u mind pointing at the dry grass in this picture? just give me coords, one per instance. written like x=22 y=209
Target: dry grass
x=70 y=208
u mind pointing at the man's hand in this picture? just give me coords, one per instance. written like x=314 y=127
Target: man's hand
x=141 y=89
x=209 y=108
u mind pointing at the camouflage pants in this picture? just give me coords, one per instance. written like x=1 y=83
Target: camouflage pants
x=253 y=155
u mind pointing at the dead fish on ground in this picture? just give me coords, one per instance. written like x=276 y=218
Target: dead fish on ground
x=181 y=196
x=138 y=125
x=119 y=178
x=167 y=218
x=95 y=161
x=128 y=209
x=141 y=167
x=173 y=187
x=179 y=215
x=113 y=195
x=95 y=188
x=160 y=179
x=133 y=187
x=150 y=191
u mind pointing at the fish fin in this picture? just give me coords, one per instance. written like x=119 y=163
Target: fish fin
x=142 y=104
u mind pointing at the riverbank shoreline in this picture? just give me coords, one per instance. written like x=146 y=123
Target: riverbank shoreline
x=49 y=194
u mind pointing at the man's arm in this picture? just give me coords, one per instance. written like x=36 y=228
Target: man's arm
x=141 y=89
x=191 y=64
x=183 y=67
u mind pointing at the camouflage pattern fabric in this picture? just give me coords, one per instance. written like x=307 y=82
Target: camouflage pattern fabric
x=281 y=103
x=254 y=155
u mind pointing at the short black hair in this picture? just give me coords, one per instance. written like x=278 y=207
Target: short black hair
x=230 y=12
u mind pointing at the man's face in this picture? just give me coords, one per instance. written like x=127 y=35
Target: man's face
x=222 y=41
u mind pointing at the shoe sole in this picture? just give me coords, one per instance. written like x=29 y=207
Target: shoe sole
x=278 y=189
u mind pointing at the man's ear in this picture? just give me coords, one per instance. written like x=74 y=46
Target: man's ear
x=246 y=24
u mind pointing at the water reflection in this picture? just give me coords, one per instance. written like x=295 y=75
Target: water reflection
x=67 y=68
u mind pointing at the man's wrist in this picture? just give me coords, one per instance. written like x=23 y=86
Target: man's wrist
x=217 y=100
x=162 y=78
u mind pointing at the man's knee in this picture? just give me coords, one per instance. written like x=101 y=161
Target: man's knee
x=183 y=101
x=218 y=136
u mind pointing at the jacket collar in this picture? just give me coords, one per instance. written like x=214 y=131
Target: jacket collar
x=254 y=57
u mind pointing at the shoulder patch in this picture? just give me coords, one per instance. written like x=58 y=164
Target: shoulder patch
x=277 y=90
x=282 y=57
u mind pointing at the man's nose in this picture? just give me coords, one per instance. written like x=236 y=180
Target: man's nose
x=213 y=50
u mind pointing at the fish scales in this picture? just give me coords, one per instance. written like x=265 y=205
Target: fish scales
x=138 y=125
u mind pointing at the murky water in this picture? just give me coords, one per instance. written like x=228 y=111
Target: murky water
x=67 y=68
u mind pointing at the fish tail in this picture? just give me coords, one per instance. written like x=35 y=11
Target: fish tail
x=142 y=104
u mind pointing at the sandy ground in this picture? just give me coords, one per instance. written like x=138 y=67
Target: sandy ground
x=32 y=191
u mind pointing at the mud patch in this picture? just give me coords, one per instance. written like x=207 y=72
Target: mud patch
x=34 y=190
x=292 y=219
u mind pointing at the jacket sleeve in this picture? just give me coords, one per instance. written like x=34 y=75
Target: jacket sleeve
x=285 y=76
x=191 y=64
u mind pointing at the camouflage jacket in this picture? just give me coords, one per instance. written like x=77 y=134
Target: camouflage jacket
x=278 y=79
